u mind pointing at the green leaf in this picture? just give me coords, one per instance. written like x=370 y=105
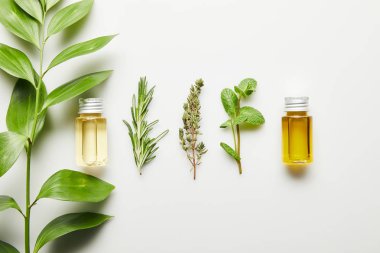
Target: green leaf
x=75 y=87
x=66 y=224
x=18 y=22
x=68 y=16
x=20 y=115
x=68 y=185
x=7 y=248
x=246 y=87
x=50 y=3
x=32 y=7
x=79 y=49
x=7 y=202
x=16 y=63
x=230 y=151
x=230 y=102
x=43 y=4
x=249 y=116
x=11 y=145
x=226 y=124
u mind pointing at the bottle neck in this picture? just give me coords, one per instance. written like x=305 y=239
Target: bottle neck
x=297 y=113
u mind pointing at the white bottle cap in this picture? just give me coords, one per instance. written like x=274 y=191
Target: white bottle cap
x=296 y=104
x=90 y=105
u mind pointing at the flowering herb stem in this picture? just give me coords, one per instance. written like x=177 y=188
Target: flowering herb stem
x=188 y=135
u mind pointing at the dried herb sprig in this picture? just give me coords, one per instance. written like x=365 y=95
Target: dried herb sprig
x=144 y=147
x=188 y=135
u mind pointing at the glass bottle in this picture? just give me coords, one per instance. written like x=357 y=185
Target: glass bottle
x=91 y=133
x=297 y=143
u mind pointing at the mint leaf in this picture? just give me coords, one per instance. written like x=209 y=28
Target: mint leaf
x=226 y=124
x=230 y=102
x=230 y=151
x=246 y=87
x=249 y=116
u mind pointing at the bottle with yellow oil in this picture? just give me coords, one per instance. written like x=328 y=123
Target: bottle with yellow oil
x=297 y=132
x=91 y=134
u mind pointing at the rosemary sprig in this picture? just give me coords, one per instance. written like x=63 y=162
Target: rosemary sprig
x=188 y=135
x=144 y=147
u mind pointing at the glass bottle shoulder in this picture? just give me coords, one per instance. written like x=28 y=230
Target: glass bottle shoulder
x=297 y=115
x=90 y=116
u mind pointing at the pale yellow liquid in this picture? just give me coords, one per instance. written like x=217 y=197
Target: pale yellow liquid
x=297 y=138
x=91 y=140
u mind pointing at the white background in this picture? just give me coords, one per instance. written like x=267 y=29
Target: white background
x=327 y=50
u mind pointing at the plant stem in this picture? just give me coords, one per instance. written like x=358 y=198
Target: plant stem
x=234 y=135
x=238 y=148
x=27 y=198
x=31 y=142
x=194 y=165
x=194 y=162
x=38 y=89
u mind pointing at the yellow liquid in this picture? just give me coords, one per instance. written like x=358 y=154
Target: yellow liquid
x=91 y=140
x=297 y=138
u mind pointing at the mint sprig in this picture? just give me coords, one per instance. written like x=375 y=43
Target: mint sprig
x=239 y=115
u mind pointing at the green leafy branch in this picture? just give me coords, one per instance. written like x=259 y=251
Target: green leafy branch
x=144 y=146
x=28 y=107
x=239 y=115
x=188 y=135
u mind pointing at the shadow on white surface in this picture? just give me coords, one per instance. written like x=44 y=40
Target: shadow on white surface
x=75 y=242
x=79 y=240
x=297 y=171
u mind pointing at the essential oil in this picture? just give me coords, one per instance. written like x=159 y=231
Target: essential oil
x=91 y=133
x=297 y=132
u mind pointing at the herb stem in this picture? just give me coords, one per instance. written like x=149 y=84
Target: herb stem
x=194 y=162
x=31 y=141
x=38 y=88
x=234 y=135
x=27 y=199
x=194 y=165
x=238 y=148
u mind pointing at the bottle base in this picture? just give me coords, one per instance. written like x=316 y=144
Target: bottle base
x=93 y=164
x=297 y=162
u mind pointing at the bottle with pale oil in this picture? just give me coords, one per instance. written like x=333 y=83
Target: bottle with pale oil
x=297 y=146
x=91 y=134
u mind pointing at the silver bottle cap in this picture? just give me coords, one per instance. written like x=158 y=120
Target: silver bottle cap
x=296 y=104
x=90 y=105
